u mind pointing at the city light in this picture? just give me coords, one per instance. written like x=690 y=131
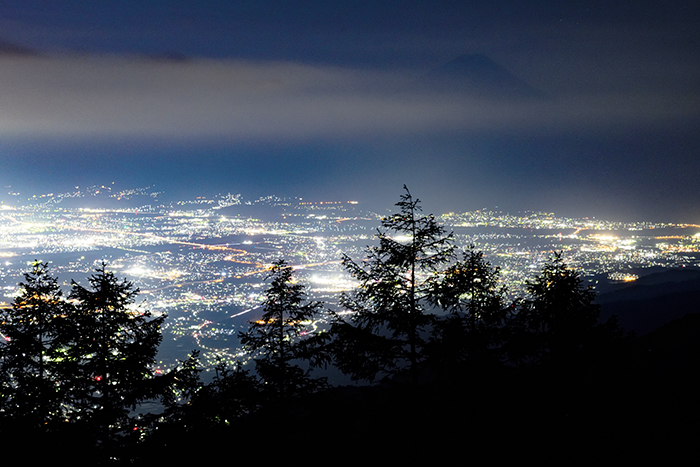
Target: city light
x=207 y=270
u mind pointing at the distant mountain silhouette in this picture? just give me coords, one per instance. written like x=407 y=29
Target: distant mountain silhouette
x=478 y=75
x=8 y=48
x=653 y=301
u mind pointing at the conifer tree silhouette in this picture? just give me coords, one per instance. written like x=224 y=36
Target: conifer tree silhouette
x=111 y=352
x=472 y=332
x=276 y=338
x=558 y=320
x=30 y=349
x=388 y=326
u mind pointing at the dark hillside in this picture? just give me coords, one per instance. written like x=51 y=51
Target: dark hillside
x=653 y=301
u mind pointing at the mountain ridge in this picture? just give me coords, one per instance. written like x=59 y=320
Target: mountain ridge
x=479 y=76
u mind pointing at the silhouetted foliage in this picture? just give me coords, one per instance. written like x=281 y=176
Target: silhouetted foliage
x=471 y=333
x=32 y=391
x=110 y=350
x=233 y=394
x=559 y=319
x=74 y=368
x=277 y=341
x=177 y=388
x=388 y=328
x=191 y=405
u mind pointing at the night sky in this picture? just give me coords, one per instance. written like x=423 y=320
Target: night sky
x=353 y=99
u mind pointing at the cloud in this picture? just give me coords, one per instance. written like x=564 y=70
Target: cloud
x=89 y=96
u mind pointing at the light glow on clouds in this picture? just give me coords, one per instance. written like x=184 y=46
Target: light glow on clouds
x=91 y=96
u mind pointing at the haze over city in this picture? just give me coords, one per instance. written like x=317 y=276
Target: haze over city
x=586 y=109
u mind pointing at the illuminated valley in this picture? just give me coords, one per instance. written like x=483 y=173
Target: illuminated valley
x=203 y=261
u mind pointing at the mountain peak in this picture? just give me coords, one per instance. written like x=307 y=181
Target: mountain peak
x=478 y=75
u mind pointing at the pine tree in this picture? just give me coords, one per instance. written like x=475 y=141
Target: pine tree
x=559 y=319
x=472 y=294
x=278 y=338
x=389 y=325
x=30 y=350
x=111 y=352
